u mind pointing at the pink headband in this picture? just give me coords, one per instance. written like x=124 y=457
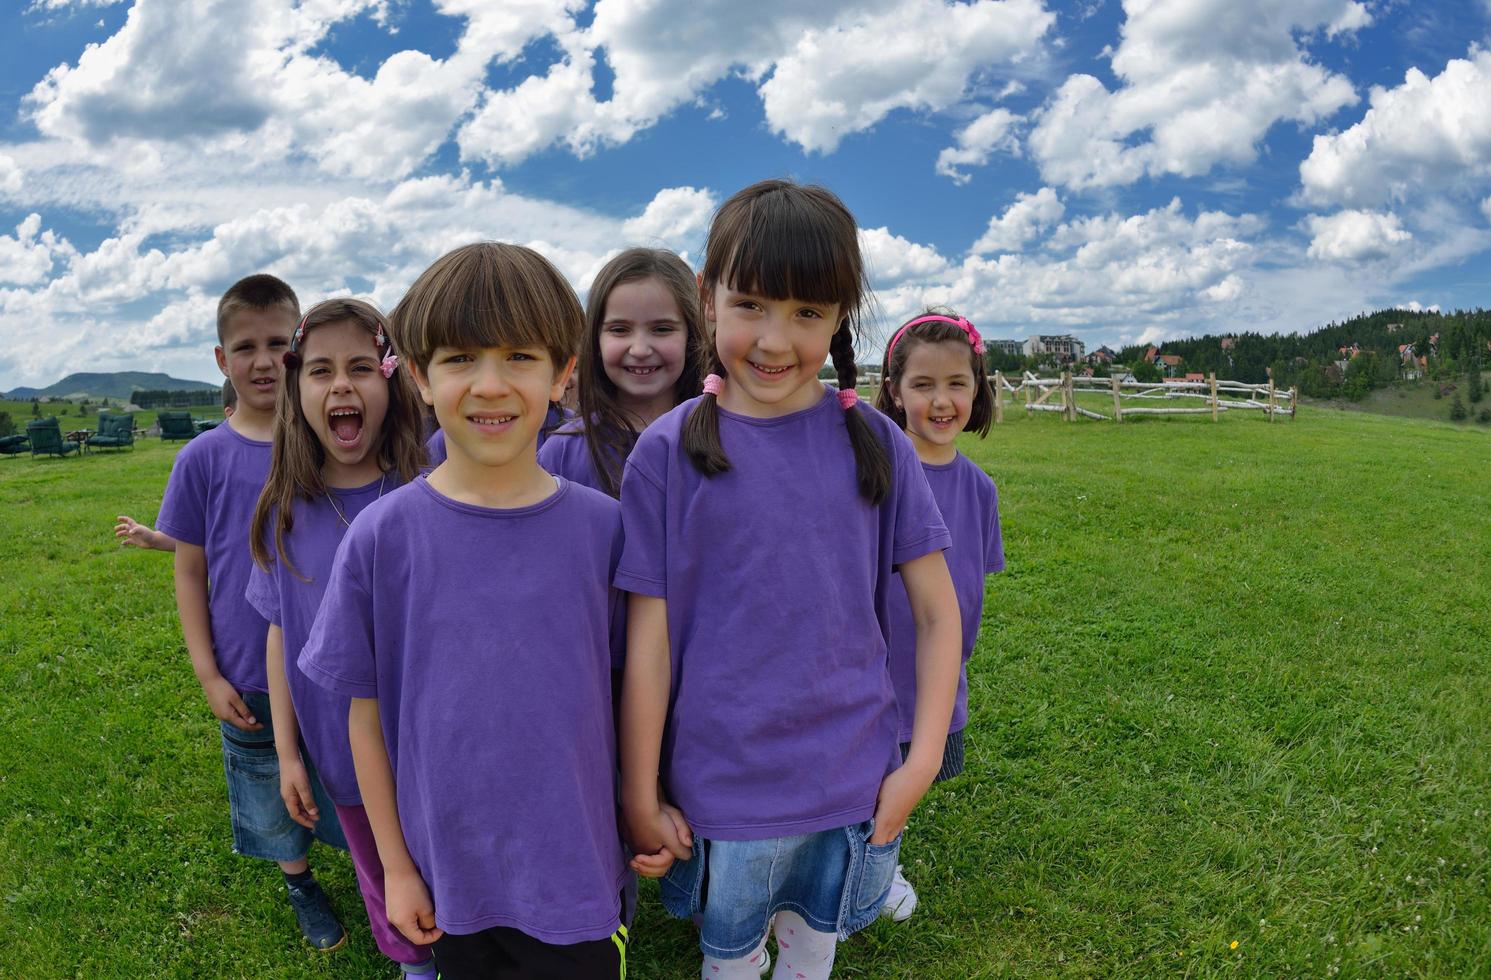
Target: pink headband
x=976 y=341
x=714 y=384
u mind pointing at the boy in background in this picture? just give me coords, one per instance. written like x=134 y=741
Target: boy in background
x=208 y=507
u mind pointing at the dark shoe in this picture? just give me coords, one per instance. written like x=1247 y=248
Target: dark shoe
x=318 y=923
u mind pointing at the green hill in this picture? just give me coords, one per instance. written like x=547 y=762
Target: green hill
x=117 y=384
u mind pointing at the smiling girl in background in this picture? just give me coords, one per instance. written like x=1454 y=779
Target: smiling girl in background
x=642 y=356
x=346 y=432
x=935 y=386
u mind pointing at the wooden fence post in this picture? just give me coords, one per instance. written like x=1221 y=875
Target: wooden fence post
x=1068 y=399
x=1270 y=394
x=1117 y=408
x=1293 y=402
x=1025 y=383
x=998 y=397
x=1212 y=377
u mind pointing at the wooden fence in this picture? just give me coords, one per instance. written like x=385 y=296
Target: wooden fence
x=1060 y=395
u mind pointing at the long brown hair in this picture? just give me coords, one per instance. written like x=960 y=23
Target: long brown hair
x=784 y=240
x=297 y=455
x=893 y=368
x=609 y=433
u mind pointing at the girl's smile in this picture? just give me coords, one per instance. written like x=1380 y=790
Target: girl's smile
x=643 y=343
x=771 y=348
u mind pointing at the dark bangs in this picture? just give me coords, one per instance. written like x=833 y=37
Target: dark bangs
x=781 y=240
x=489 y=294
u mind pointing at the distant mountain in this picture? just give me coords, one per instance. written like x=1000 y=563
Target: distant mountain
x=118 y=384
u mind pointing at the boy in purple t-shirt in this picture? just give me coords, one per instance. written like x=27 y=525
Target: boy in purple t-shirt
x=208 y=506
x=468 y=616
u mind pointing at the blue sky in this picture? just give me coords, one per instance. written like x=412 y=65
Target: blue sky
x=1128 y=171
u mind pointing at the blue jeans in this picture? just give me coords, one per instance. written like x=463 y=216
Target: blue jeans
x=262 y=827
x=835 y=879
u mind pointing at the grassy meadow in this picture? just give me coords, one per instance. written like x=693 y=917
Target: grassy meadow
x=1231 y=716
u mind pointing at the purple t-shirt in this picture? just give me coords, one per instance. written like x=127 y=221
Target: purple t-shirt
x=209 y=502
x=969 y=503
x=566 y=453
x=484 y=635
x=555 y=417
x=291 y=603
x=782 y=716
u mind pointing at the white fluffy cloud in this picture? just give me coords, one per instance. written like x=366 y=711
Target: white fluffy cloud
x=823 y=71
x=1030 y=215
x=1356 y=236
x=845 y=78
x=1427 y=132
x=1486 y=208
x=379 y=240
x=973 y=144
x=11 y=177
x=890 y=259
x=1204 y=79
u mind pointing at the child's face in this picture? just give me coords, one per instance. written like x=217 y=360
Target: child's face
x=344 y=397
x=491 y=401
x=643 y=341
x=254 y=343
x=936 y=393
x=771 y=348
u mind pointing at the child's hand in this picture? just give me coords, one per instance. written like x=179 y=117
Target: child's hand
x=407 y=902
x=657 y=838
x=295 y=790
x=223 y=699
x=901 y=791
x=131 y=531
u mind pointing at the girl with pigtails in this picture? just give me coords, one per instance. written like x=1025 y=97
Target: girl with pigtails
x=764 y=523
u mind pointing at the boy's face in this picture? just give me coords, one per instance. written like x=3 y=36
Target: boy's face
x=251 y=354
x=491 y=401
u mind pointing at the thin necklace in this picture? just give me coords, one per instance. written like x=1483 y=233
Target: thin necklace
x=331 y=496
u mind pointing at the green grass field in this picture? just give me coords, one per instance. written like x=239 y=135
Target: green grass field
x=1231 y=716
x=1413 y=400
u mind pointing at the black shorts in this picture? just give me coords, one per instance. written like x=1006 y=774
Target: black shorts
x=952 y=756
x=500 y=953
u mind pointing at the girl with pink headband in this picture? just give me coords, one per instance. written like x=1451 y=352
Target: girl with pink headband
x=763 y=523
x=935 y=386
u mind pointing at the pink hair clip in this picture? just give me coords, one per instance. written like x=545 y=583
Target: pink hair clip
x=388 y=364
x=847 y=398
x=974 y=339
x=713 y=385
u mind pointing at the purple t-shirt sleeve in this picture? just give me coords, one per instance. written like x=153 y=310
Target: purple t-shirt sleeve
x=183 y=512
x=918 y=529
x=644 y=558
x=338 y=655
x=993 y=537
x=263 y=594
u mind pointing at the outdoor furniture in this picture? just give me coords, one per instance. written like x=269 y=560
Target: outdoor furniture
x=13 y=445
x=114 y=431
x=204 y=424
x=79 y=438
x=176 y=425
x=46 y=438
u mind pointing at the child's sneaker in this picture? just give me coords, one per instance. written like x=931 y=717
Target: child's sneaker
x=900 y=902
x=761 y=960
x=318 y=923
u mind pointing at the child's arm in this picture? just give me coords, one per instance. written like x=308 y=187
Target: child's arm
x=295 y=783
x=131 y=531
x=196 y=630
x=939 y=643
x=406 y=898
x=656 y=832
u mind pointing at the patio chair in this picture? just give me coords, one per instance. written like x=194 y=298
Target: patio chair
x=46 y=438
x=114 y=432
x=13 y=445
x=176 y=425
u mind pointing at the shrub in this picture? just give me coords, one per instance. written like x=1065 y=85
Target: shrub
x=7 y=427
x=1457 y=409
x=1484 y=417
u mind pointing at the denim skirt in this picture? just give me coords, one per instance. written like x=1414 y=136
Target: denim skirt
x=835 y=879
